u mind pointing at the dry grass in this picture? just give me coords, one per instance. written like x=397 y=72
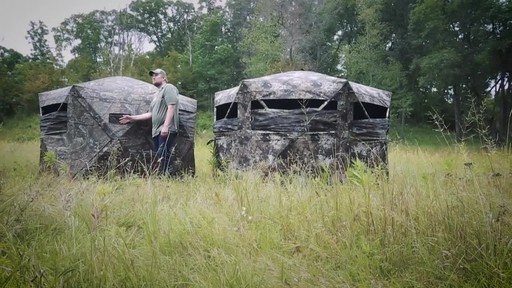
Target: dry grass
x=441 y=219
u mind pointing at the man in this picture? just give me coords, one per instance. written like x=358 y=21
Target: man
x=164 y=116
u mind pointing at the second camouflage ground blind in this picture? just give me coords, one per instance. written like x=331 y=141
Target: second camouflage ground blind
x=300 y=119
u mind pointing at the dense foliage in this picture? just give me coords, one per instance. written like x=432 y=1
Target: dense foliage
x=450 y=57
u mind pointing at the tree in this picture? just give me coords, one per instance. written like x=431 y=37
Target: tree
x=36 y=35
x=103 y=42
x=214 y=59
x=84 y=35
x=168 y=24
x=499 y=55
x=267 y=44
x=290 y=16
x=262 y=47
x=207 y=6
x=9 y=59
x=239 y=15
x=40 y=74
x=320 y=46
x=33 y=78
x=151 y=19
x=128 y=44
x=451 y=38
x=408 y=102
x=368 y=59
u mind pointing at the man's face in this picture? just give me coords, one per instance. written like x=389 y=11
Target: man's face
x=158 y=79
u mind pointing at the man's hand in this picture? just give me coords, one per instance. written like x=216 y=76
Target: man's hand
x=165 y=131
x=125 y=119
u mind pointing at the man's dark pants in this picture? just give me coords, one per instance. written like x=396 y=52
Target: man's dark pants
x=164 y=147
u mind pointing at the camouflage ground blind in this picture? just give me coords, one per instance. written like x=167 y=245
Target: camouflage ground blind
x=301 y=119
x=80 y=125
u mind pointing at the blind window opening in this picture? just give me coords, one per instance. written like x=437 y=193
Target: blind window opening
x=364 y=110
x=293 y=104
x=57 y=107
x=226 y=111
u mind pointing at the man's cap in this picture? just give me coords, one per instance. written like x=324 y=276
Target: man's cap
x=158 y=71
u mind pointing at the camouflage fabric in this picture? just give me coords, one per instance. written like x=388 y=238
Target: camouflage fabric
x=80 y=124
x=300 y=119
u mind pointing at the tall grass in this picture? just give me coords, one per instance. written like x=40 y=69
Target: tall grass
x=441 y=219
x=21 y=128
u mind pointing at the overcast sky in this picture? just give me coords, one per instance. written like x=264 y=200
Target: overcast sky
x=15 y=16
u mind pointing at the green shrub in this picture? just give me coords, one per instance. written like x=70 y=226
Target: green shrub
x=204 y=122
x=20 y=128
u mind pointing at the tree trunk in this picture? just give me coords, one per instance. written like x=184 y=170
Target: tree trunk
x=503 y=106
x=507 y=109
x=504 y=98
x=401 y=129
x=189 y=49
x=459 y=119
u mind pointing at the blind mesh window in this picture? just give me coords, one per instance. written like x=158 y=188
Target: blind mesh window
x=363 y=110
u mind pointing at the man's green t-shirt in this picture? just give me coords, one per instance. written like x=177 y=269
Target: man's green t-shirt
x=167 y=95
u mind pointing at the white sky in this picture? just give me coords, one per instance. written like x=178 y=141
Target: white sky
x=15 y=16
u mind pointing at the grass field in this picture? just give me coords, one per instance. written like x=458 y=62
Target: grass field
x=443 y=218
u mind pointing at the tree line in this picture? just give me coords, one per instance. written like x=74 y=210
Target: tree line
x=452 y=58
